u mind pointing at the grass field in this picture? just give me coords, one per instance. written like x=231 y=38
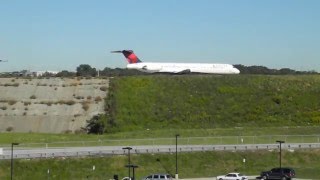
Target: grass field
x=187 y=136
x=202 y=164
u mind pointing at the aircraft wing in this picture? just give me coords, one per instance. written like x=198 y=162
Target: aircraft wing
x=175 y=70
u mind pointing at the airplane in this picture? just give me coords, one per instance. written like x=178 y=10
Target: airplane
x=176 y=68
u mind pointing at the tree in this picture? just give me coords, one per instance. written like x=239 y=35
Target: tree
x=96 y=125
x=65 y=73
x=86 y=70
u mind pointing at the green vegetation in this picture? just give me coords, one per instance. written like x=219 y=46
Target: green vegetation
x=202 y=164
x=126 y=137
x=208 y=102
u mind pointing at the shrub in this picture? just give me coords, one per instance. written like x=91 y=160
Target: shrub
x=70 y=102
x=33 y=97
x=12 y=102
x=3 y=107
x=9 y=129
x=79 y=97
x=103 y=88
x=85 y=105
x=96 y=125
x=76 y=115
x=26 y=103
x=97 y=99
x=48 y=103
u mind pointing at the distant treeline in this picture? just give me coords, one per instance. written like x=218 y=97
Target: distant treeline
x=88 y=71
x=264 y=70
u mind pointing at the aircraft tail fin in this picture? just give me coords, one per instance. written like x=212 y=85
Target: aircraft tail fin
x=130 y=56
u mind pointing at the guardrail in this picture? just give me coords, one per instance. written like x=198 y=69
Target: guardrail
x=117 y=150
x=216 y=140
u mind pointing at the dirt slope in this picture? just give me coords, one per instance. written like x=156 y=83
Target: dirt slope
x=51 y=105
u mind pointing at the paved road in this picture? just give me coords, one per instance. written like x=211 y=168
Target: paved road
x=20 y=152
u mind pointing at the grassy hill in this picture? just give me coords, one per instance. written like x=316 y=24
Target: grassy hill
x=207 y=101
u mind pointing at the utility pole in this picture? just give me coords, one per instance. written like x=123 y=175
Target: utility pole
x=12 y=144
x=129 y=163
x=280 y=142
x=177 y=176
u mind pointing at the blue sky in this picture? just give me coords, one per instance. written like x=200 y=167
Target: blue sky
x=61 y=35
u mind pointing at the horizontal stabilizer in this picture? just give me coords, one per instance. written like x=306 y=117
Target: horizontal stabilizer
x=116 y=51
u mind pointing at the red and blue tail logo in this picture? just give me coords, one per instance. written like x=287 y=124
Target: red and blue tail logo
x=130 y=56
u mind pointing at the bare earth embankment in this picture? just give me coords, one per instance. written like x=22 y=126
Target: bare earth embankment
x=52 y=105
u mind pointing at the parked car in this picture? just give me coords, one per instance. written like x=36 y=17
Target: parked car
x=158 y=177
x=232 y=176
x=279 y=173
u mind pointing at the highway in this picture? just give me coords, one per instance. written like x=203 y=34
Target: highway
x=20 y=152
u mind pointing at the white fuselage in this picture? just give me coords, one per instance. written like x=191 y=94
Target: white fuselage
x=184 y=68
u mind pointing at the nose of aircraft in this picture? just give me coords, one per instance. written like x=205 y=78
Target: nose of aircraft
x=236 y=71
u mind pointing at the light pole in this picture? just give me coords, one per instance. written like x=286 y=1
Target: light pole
x=12 y=144
x=280 y=142
x=177 y=135
x=128 y=148
x=133 y=167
